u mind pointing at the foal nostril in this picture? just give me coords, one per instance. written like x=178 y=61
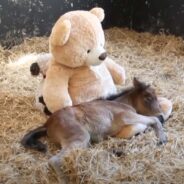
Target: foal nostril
x=103 y=56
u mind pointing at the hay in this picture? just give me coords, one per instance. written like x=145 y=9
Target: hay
x=157 y=59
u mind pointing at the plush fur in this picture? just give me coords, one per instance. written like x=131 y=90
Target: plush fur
x=77 y=69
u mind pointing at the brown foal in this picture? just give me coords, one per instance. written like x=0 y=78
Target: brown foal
x=122 y=116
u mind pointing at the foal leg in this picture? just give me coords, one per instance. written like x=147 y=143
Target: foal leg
x=132 y=118
x=73 y=143
x=129 y=131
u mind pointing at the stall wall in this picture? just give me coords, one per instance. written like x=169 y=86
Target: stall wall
x=22 y=18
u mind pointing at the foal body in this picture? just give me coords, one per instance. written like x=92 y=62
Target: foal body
x=74 y=127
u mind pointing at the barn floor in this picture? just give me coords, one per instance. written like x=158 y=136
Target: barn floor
x=157 y=59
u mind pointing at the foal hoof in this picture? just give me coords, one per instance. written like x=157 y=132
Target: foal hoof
x=162 y=142
x=35 y=69
x=137 y=134
x=118 y=153
x=42 y=148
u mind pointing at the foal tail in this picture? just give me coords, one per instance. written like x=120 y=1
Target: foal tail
x=30 y=140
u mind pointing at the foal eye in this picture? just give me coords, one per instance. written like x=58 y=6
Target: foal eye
x=88 y=51
x=148 y=99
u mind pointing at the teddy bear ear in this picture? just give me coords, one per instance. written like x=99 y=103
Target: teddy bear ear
x=99 y=12
x=60 y=33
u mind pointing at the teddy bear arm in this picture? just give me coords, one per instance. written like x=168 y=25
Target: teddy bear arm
x=117 y=72
x=41 y=65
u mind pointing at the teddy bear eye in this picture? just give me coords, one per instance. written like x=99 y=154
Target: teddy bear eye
x=88 y=51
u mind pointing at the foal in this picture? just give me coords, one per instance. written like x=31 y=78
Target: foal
x=124 y=116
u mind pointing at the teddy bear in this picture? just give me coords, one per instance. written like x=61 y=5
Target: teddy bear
x=77 y=69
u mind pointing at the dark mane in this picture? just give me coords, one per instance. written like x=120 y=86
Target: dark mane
x=122 y=93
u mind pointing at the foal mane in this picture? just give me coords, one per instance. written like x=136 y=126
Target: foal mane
x=124 y=92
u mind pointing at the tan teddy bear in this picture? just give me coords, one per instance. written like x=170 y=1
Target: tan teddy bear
x=78 y=69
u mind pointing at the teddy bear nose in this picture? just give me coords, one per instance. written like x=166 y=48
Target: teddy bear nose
x=103 y=56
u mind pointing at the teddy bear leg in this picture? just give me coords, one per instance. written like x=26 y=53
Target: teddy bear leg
x=166 y=106
x=40 y=103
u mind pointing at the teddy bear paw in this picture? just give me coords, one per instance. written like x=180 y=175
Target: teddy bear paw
x=35 y=69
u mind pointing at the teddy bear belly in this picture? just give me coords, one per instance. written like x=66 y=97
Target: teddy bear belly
x=90 y=83
x=93 y=88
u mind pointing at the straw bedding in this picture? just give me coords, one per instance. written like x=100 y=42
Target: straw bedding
x=157 y=59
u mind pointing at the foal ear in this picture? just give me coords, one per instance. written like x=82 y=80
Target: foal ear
x=138 y=84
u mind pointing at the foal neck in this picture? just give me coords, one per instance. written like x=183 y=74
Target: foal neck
x=126 y=96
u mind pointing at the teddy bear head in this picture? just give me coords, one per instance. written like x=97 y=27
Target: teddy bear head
x=77 y=38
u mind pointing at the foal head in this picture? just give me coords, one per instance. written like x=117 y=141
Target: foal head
x=144 y=99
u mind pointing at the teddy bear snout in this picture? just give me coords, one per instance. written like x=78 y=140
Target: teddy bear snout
x=103 y=56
